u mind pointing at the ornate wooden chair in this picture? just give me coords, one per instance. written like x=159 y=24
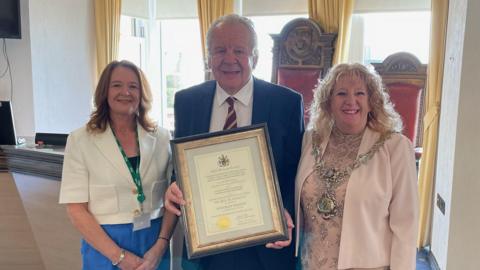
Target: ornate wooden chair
x=302 y=54
x=405 y=77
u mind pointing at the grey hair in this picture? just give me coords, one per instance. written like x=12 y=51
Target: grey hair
x=382 y=117
x=234 y=19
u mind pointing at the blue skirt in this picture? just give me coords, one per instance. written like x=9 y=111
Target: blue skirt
x=138 y=243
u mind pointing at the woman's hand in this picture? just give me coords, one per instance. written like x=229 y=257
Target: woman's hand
x=174 y=198
x=286 y=243
x=94 y=234
x=153 y=256
x=130 y=262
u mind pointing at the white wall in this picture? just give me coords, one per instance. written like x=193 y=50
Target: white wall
x=19 y=55
x=52 y=66
x=464 y=236
x=62 y=44
x=456 y=235
x=448 y=128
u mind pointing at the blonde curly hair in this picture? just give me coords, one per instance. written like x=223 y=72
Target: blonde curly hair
x=382 y=118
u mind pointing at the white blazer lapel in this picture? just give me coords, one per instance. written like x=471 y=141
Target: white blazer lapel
x=105 y=142
x=307 y=160
x=306 y=165
x=369 y=138
x=147 y=144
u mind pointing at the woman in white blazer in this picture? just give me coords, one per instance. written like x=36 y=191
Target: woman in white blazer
x=115 y=173
x=356 y=190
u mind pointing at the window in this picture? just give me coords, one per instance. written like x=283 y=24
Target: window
x=377 y=35
x=132 y=40
x=182 y=64
x=168 y=54
x=172 y=58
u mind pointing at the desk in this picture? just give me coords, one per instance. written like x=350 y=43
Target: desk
x=46 y=161
x=33 y=169
x=18 y=248
x=3 y=161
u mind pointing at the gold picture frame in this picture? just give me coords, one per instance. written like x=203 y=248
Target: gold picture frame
x=230 y=186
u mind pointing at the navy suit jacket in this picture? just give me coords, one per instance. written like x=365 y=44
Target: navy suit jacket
x=282 y=110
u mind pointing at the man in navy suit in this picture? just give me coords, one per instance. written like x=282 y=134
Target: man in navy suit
x=232 y=55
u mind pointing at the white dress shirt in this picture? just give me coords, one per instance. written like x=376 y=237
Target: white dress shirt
x=243 y=107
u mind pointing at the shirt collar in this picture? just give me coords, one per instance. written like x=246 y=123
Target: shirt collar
x=244 y=95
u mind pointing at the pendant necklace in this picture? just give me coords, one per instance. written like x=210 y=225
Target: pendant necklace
x=332 y=178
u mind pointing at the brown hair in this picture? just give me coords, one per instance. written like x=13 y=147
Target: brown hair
x=382 y=117
x=100 y=115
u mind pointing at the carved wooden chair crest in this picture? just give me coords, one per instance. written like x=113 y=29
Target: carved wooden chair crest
x=302 y=54
x=404 y=76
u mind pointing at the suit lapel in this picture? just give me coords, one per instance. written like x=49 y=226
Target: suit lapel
x=147 y=144
x=261 y=103
x=204 y=109
x=106 y=144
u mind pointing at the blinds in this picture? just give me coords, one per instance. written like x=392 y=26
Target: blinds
x=135 y=8
x=165 y=9
x=365 y=6
x=178 y=9
x=273 y=7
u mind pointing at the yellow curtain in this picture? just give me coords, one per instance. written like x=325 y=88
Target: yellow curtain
x=107 y=30
x=335 y=16
x=208 y=12
x=433 y=96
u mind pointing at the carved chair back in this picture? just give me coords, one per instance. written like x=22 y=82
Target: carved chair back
x=302 y=54
x=404 y=77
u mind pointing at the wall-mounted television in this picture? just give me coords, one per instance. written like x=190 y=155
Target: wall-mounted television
x=10 y=26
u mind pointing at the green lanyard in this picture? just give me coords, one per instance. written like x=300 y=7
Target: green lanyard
x=134 y=172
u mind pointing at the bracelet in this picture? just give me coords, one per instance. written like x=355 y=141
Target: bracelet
x=120 y=258
x=164 y=238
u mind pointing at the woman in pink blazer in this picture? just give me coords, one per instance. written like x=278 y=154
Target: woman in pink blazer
x=356 y=189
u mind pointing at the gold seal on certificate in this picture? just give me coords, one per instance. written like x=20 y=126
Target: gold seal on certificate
x=229 y=181
x=224 y=222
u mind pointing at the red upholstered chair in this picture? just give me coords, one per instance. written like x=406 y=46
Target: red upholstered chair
x=302 y=53
x=404 y=77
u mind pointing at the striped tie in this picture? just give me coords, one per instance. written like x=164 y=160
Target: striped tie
x=231 y=121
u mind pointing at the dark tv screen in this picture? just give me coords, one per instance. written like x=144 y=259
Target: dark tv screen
x=7 y=128
x=10 y=26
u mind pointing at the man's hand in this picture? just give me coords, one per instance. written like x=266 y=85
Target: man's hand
x=173 y=199
x=286 y=243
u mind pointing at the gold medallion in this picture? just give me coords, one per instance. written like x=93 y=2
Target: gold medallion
x=333 y=177
x=327 y=206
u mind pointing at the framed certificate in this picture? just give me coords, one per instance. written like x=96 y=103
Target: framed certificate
x=229 y=182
